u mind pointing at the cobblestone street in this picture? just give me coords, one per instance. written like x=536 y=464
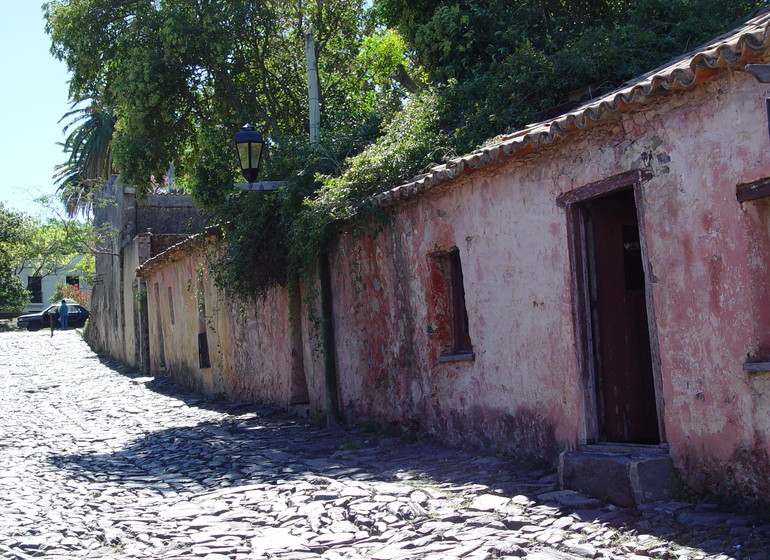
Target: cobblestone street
x=96 y=462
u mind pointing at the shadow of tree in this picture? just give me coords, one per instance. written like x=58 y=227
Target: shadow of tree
x=259 y=444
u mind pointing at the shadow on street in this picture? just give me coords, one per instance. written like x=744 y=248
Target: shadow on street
x=259 y=444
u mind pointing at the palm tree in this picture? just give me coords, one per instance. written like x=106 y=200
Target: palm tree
x=90 y=156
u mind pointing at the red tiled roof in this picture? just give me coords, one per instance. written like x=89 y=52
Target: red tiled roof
x=748 y=43
x=177 y=251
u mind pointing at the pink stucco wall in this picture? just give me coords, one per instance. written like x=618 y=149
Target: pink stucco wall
x=256 y=350
x=707 y=254
x=707 y=260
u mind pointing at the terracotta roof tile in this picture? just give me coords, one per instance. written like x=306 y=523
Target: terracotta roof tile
x=177 y=251
x=747 y=43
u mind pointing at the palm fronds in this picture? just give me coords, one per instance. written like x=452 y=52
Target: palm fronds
x=88 y=143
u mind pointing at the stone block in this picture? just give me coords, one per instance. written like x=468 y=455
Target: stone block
x=625 y=479
x=652 y=478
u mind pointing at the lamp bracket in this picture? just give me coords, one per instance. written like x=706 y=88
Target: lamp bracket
x=260 y=185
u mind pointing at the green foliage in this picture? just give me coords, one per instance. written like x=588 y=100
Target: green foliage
x=90 y=157
x=410 y=143
x=179 y=73
x=275 y=238
x=13 y=296
x=50 y=246
x=181 y=76
x=499 y=63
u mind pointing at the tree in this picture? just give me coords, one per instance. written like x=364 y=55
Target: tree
x=184 y=75
x=89 y=145
x=500 y=64
x=13 y=296
x=50 y=245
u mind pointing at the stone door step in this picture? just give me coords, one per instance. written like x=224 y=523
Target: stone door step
x=624 y=475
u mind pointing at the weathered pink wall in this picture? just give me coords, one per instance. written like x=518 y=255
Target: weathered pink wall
x=711 y=312
x=708 y=260
x=255 y=350
x=514 y=392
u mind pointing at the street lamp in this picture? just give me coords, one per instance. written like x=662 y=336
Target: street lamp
x=248 y=146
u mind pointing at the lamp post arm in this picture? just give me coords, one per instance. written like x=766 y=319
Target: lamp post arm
x=260 y=185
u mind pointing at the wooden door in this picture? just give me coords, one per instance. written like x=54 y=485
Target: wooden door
x=626 y=390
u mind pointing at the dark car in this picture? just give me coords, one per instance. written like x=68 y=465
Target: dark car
x=36 y=321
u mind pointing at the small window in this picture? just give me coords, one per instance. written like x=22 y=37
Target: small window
x=203 y=351
x=203 y=339
x=449 y=316
x=35 y=285
x=461 y=337
x=73 y=281
x=170 y=305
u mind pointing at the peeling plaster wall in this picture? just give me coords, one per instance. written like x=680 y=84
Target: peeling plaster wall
x=127 y=352
x=709 y=298
x=105 y=324
x=253 y=355
x=708 y=261
x=520 y=391
x=708 y=258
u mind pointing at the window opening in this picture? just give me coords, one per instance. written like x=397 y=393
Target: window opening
x=461 y=337
x=171 y=305
x=203 y=351
x=35 y=285
x=448 y=313
x=159 y=322
x=203 y=339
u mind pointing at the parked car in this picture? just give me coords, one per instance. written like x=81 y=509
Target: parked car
x=36 y=321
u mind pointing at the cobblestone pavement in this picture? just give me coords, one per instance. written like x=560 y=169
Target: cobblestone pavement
x=96 y=462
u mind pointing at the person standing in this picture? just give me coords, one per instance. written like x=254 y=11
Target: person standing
x=63 y=314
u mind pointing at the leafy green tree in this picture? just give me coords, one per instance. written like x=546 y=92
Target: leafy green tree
x=183 y=75
x=13 y=296
x=50 y=245
x=500 y=64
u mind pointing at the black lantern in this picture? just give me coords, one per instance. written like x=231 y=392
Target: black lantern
x=248 y=146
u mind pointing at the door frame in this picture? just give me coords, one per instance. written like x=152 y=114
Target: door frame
x=572 y=201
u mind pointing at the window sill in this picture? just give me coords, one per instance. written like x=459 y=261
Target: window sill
x=465 y=357
x=756 y=367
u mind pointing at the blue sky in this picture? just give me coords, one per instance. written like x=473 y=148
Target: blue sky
x=33 y=97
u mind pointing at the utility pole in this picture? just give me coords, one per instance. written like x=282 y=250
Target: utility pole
x=324 y=273
x=312 y=88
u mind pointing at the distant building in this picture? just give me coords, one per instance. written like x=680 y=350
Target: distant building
x=43 y=286
x=145 y=228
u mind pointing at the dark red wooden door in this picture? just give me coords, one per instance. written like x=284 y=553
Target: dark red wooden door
x=628 y=411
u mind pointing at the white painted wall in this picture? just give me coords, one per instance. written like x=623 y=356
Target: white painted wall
x=50 y=281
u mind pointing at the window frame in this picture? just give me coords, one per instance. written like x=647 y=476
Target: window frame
x=455 y=318
x=37 y=292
